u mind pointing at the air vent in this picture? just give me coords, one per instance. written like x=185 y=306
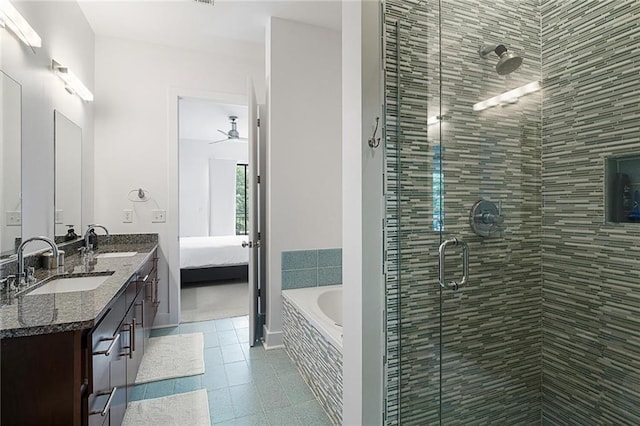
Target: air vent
x=205 y=1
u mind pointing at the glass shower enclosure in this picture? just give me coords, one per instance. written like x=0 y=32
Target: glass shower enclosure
x=463 y=211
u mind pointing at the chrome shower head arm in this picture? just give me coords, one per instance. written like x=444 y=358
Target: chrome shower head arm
x=486 y=49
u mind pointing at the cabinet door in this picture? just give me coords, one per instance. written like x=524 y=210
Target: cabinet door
x=108 y=401
x=108 y=341
x=140 y=324
x=118 y=379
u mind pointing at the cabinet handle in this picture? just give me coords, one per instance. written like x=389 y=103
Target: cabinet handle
x=141 y=304
x=133 y=337
x=130 y=347
x=156 y=302
x=113 y=340
x=105 y=410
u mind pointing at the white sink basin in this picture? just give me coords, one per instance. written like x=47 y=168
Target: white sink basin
x=68 y=285
x=117 y=254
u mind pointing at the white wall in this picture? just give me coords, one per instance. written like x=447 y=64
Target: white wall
x=222 y=195
x=363 y=207
x=137 y=135
x=67 y=38
x=10 y=147
x=199 y=124
x=304 y=176
x=194 y=188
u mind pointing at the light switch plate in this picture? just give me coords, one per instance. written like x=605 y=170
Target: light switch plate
x=59 y=217
x=127 y=216
x=158 y=216
x=13 y=218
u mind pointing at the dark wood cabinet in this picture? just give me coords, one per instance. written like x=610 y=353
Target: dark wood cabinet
x=81 y=377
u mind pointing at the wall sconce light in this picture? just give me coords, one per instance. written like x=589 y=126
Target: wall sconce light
x=72 y=83
x=11 y=18
x=508 y=97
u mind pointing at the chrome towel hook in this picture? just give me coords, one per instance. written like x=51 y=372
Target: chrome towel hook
x=373 y=141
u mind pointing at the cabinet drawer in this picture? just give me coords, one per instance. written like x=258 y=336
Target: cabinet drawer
x=108 y=325
x=131 y=292
x=98 y=420
x=97 y=404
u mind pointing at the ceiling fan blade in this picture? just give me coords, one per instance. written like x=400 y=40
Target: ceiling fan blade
x=221 y=140
x=224 y=133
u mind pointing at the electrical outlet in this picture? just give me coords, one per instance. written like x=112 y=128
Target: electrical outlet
x=127 y=216
x=13 y=218
x=158 y=216
x=59 y=216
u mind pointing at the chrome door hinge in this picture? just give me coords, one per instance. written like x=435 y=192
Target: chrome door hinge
x=258 y=178
x=258 y=120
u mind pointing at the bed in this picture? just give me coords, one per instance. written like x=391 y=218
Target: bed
x=213 y=258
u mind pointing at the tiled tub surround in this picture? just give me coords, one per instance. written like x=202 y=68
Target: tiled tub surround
x=51 y=313
x=311 y=268
x=314 y=343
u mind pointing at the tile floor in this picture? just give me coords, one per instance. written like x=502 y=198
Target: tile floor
x=246 y=386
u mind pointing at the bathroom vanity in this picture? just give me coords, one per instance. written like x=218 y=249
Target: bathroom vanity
x=70 y=356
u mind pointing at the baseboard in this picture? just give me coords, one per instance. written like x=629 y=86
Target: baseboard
x=163 y=320
x=272 y=339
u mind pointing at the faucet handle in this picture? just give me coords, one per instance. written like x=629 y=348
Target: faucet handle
x=31 y=275
x=11 y=283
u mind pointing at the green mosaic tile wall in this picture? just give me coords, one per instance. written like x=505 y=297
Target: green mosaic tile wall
x=490 y=341
x=547 y=330
x=591 y=272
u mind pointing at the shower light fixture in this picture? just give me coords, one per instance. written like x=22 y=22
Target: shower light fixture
x=508 y=97
x=73 y=84
x=12 y=19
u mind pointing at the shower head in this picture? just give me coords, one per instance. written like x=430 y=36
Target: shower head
x=509 y=61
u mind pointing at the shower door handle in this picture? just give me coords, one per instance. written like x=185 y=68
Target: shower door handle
x=442 y=251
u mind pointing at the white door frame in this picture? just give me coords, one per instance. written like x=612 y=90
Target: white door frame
x=173 y=184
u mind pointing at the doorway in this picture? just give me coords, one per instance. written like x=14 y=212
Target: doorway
x=213 y=204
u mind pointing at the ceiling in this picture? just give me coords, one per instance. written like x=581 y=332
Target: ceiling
x=201 y=119
x=200 y=26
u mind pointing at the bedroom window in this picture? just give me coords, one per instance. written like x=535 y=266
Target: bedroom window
x=241 y=199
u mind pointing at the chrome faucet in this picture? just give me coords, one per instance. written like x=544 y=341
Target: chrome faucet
x=89 y=228
x=21 y=271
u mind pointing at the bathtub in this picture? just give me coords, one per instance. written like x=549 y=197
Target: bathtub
x=312 y=335
x=322 y=307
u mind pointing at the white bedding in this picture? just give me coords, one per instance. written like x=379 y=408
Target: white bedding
x=204 y=252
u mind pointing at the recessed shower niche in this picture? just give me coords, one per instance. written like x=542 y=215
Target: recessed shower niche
x=622 y=188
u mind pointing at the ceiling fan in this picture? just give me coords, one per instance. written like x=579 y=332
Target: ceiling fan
x=232 y=134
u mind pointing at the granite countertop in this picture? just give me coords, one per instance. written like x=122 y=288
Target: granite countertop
x=26 y=315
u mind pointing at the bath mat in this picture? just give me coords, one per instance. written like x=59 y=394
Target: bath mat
x=191 y=408
x=172 y=356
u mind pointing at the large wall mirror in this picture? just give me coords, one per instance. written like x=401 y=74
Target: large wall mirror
x=10 y=170
x=68 y=176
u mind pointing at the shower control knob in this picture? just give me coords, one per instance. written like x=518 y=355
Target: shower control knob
x=486 y=218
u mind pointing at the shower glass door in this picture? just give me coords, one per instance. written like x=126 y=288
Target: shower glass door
x=462 y=353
